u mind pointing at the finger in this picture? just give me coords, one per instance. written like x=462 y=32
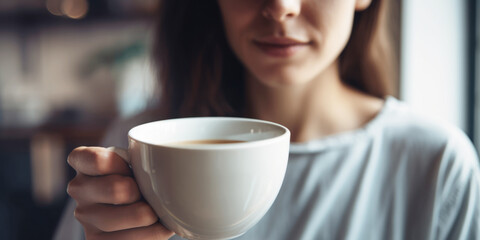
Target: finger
x=110 y=218
x=110 y=189
x=153 y=232
x=96 y=161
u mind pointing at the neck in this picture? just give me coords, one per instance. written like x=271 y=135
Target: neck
x=323 y=106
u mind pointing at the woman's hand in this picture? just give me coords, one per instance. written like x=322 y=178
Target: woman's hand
x=109 y=204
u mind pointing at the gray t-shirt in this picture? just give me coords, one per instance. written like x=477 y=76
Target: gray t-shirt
x=401 y=176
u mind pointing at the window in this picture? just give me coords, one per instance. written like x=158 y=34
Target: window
x=474 y=71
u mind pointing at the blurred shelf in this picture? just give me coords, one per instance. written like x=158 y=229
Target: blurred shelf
x=87 y=132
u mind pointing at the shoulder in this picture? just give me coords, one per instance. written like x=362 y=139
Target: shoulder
x=117 y=132
x=438 y=162
x=435 y=164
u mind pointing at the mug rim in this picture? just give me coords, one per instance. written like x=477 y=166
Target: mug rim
x=225 y=146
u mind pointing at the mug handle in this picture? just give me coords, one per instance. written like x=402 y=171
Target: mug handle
x=122 y=152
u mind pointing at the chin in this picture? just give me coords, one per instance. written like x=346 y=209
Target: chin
x=282 y=81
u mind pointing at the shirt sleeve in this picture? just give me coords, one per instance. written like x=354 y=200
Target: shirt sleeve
x=459 y=192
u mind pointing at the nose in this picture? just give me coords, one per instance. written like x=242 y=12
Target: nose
x=281 y=10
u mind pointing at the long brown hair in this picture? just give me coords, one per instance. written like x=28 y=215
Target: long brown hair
x=200 y=76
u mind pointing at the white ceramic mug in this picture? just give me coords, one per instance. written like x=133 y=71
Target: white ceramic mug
x=209 y=191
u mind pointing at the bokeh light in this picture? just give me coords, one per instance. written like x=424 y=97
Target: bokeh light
x=75 y=9
x=53 y=6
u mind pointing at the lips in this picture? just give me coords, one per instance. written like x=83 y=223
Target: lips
x=280 y=46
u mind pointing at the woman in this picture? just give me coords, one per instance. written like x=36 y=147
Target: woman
x=362 y=165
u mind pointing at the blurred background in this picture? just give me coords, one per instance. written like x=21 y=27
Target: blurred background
x=68 y=68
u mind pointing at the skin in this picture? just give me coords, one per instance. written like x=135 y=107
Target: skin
x=302 y=91
x=298 y=91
